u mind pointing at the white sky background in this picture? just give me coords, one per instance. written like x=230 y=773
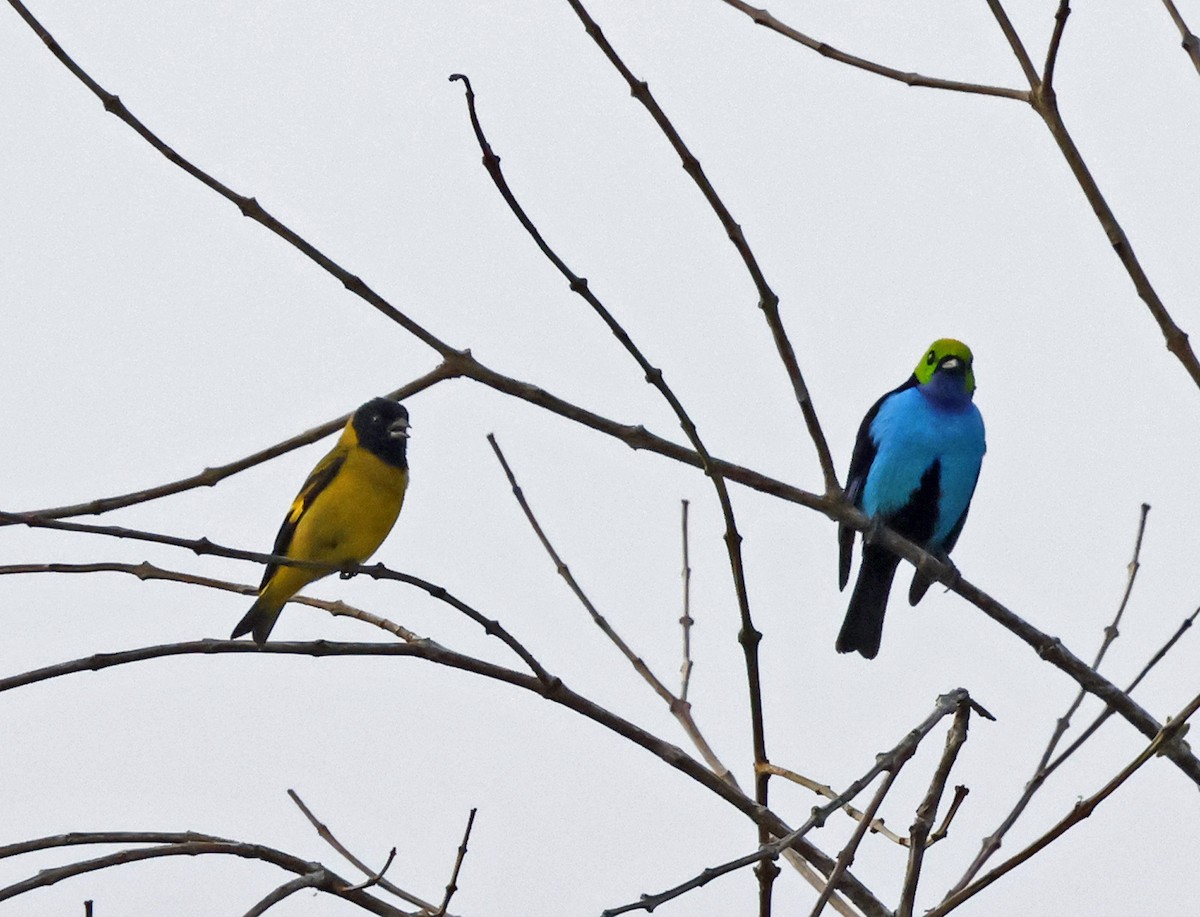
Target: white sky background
x=149 y=330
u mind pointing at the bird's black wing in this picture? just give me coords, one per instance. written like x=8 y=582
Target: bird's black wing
x=316 y=482
x=921 y=583
x=856 y=479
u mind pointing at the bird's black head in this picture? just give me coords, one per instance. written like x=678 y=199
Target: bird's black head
x=382 y=428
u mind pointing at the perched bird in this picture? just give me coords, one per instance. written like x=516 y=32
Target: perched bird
x=343 y=512
x=914 y=468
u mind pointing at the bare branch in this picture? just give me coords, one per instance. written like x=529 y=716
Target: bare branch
x=680 y=709
x=993 y=841
x=1047 y=647
x=209 y=477
x=749 y=636
x=248 y=206
x=376 y=571
x=1014 y=42
x=765 y=19
x=927 y=811
x=1171 y=734
x=1043 y=100
x=1176 y=339
x=1060 y=23
x=768 y=301
x=877 y=825
x=85 y=838
x=890 y=761
x=327 y=836
x=452 y=885
x=322 y=878
x=1154 y=660
x=685 y=620
x=1191 y=44
x=312 y=880
x=556 y=692
x=148 y=571
x=960 y=794
x=376 y=877
x=846 y=857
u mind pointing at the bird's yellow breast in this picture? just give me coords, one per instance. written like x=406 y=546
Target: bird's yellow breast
x=352 y=516
x=346 y=522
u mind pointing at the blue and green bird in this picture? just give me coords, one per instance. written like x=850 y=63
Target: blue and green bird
x=914 y=468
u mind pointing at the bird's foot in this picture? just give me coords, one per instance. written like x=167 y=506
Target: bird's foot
x=955 y=574
x=347 y=572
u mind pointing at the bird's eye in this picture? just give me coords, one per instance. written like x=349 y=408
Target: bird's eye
x=932 y=358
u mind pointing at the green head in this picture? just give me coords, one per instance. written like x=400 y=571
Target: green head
x=936 y=357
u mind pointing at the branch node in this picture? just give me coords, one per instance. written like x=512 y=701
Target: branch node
x=250 y=207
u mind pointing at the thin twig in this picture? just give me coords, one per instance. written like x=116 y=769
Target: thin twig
x=1191 y=44
x=764 y=18
x=452 y=885
x=992 y=842
x=328 y=837
x=1171 y=734
x=209 y=477
x=323 y=879
x=1014 y=42
x=876 y=826
x=846 y=856
x=927 y=811
x=680 y=709
x=376 y=877
x=556 y=692
x=1154 y=660
x=749 y=636
x=148 y=571
x=1060 y=23
x=685 y=620
x=960 y=794
x=889 y=761
x=312 y=880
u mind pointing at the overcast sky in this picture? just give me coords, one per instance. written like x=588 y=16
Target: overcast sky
x=150 y=331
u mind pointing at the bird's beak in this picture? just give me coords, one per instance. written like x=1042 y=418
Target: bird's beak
x=951 y=363
x=398 y=429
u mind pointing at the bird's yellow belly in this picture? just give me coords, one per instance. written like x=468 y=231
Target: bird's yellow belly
x=350 y=519
x=346 y=523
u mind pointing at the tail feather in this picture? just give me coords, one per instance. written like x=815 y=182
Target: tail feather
x=863 y=627
x=920 y=585
x=845 y=554
x=258 y=621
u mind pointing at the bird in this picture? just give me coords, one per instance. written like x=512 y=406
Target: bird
x=914 y=468
x=344 y=511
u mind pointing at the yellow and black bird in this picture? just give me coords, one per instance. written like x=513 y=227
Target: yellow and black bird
x=343 y=512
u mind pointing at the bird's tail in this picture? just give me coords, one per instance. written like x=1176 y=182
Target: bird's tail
x=258 y=620
x=863 y=627
x=920 y=585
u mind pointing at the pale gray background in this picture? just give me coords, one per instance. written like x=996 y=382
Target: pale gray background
x=149 y=330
